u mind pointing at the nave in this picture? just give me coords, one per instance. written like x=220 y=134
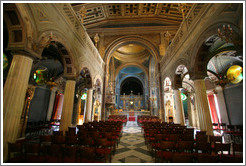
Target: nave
x=132 y=147
x=146 y=140
x=68 y=65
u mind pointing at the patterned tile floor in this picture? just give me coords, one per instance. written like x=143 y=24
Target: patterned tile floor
x=132 y=148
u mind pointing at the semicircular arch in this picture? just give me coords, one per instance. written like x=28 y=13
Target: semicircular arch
x=131 y=64
x=132 y=39
x=204 y=35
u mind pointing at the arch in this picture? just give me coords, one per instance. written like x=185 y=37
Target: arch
x=84 y=64
x=129 y=40
x=131 y=76
x=167 y=85
x=188 y=82
x=180 y=62
x=98 y=84
x=135 y=79
x=65 y=48
x=204 y=35
x=129 y=65
x=169 y=76
x=85 y=73
x=97 y=79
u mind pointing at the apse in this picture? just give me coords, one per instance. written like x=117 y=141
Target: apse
x=131 y=84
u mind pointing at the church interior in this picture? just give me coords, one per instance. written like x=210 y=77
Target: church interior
x=122 y=82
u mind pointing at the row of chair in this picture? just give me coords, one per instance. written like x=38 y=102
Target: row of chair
x=183 y=151
x=71 y=146
x=122 y=118
x=55 y=153
x=147 y=118
x=36 y=128
x=226 y=127
x=176 y=143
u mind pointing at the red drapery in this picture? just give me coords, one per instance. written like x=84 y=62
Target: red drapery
x=56 y=115
x=213 y=109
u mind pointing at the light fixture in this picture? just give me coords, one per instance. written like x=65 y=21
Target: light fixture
x=183 y=96
x=131 y=102
x=5 y=61
x=80 y=121
x=84 y=96
x=226 y=33
x=234 y=74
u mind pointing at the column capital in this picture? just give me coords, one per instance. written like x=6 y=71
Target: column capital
x=69 y=77
x=27 y=53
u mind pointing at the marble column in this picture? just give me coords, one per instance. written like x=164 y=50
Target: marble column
x=222 y=106
x=189 y=109
x=179 y=112
x=14 y=93
x=99 y=112
x=202 y=107
x=161 y=111
x=196 y=118
x=67 y=108
x=78 y=109
x=51 y=103
x=88 y=105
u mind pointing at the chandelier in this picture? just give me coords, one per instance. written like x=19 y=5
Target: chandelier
x=226 y=33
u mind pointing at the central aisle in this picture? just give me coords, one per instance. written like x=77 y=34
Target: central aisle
x=132 y=148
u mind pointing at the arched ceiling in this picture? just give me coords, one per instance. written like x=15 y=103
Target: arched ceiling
x=131 y=70
x=131 y=53
x=107 y=17
x=131 y=84
x=131 y=49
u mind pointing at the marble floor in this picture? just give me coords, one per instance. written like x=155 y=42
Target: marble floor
x=132 y=148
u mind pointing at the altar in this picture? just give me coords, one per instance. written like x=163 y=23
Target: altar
x=131 y=102
x=130 y=114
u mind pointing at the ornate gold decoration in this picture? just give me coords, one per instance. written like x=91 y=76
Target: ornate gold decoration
x=181 y=8
x=45 y=42
x=82 y=13
x=96 y=39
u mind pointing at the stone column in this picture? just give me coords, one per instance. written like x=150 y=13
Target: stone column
x=99 y=112
x=105 y=86
x=51 y=103
x=162 y=111
x=67 y=108
x=179 y=114
x=190 y=116
x=88 y=105
x=196 y=118
x=222 y=106
x=14 y=93
x=202 y=107
x=78 y=110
